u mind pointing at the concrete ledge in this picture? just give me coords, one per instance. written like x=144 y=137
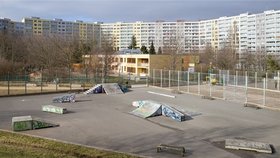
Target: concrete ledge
x=207 y=97
x=23 y=123
x=54 y=109
x=238 y=144
x=170 y=148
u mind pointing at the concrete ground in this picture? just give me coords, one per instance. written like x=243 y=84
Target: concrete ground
x=105 y=121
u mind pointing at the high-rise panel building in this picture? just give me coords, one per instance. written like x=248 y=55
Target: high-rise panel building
x=11 y=26
x=79 y=30
x=245 y=32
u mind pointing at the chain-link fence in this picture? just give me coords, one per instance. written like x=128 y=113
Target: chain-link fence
x=243 y=87
x=42 y=82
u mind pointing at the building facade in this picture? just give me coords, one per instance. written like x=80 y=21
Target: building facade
x=11 y=26
x=141 y=65
x=85 y=32
x=244 y=32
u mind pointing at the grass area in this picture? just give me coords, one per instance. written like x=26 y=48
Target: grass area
x=15 y=145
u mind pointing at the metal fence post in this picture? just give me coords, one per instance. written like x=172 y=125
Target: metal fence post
x=210 y=85
x=178 y=80
x=234 y=80
x=161 y=78
x=278 y=80
x=41 y=80
x=56 y=80
x=153 y=77
x=227 y=77
x=236 y=73
x=188 y=82
x=70 y=79
x=246 y=87
x=264 y=91
x=8 y=83
x=169 y=75
x=256 y=79
x=266 y=79
x=220 y=76
x=224 y=86
x=25 y=82
x=198 y=83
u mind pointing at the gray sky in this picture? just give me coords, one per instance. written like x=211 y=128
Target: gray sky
x=132 y=10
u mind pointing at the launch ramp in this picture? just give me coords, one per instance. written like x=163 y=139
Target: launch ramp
x=148 y=109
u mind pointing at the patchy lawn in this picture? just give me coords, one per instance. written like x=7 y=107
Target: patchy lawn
x=16 y=145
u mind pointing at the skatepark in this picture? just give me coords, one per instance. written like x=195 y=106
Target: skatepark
x=107 y=121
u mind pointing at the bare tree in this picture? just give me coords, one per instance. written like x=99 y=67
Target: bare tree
x=45 y=53
x=208 y=56
x=247 y=60
x=261 y=59
x=227 y=57
x=174 y=48
x=99 y=60
x=13 y=50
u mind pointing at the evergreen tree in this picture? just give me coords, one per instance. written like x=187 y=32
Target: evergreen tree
x=144 y=50
x=152 y=48
x=272 y=64
x=159 y=50
x=133 y=43
x=79 y=51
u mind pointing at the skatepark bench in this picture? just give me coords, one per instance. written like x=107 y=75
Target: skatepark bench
x=170 y=148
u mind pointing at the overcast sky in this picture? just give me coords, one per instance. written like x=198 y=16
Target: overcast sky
x=132 y=10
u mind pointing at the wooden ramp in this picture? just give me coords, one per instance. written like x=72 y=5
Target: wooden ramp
x=240 y=144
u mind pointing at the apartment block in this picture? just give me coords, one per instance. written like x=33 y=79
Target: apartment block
x=244 y=32
x=83 y=31
x=11 y=26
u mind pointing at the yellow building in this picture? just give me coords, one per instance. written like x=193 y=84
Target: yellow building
x=142 y=65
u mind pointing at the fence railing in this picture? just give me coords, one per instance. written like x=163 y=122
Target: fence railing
x=245 y=87
x=242 y=87
x=24 y=84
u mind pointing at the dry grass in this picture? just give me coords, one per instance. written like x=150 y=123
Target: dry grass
x=21 y=146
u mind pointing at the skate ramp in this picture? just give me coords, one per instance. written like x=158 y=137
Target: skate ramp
x=95 y=89
x=148 y=109
x=65 y=98
x=112 y=88
x=23 y=123
x=40 y=123
x=173 y=113
x=108 y=88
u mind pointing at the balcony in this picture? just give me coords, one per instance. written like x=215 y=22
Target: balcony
x=131 y=64
x=143 y=65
